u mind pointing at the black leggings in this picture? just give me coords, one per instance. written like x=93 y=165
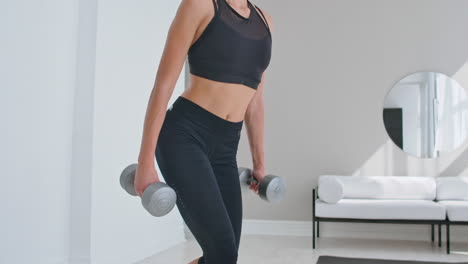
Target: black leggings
x=196 y=153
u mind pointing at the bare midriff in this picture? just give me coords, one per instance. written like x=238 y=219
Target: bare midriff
x=226 y=100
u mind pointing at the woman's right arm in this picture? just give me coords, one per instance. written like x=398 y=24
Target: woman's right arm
x=179 y=39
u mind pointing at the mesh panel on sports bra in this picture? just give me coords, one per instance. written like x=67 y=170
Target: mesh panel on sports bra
x=251 y=27
x=232 y=48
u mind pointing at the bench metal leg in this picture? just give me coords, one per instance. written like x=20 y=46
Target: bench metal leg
x=313 y=233
x=318 y=228
x=440 y=234
x=313 y=218
x=432 y=232
x=447 y=227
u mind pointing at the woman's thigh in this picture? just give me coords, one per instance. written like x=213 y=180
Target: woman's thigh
x=227 y=177
x=186 y=168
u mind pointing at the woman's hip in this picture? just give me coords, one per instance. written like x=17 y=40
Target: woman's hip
x=187 y=119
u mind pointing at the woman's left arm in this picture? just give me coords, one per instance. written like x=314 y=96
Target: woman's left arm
x=254 y=121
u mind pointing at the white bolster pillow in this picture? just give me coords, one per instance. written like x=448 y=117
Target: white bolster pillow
x=330 y=189
x=452 y=188
x=380 y=187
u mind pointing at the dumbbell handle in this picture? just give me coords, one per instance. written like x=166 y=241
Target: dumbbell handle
x=251 y=179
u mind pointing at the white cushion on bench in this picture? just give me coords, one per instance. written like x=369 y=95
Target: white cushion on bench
x=386 y=187
x=381 y=209
x=456 y=210
x=452 y=188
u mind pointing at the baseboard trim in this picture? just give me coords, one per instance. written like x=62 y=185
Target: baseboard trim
x=350 y=230
x=416 y=232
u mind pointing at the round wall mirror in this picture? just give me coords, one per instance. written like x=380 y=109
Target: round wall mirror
x=426 y=114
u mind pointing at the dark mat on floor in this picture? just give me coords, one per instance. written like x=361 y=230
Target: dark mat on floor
x=345 y=260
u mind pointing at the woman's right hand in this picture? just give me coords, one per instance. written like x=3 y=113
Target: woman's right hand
x=144 y=176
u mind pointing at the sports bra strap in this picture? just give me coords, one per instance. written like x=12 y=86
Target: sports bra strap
x=215 y=4
x=266 y=22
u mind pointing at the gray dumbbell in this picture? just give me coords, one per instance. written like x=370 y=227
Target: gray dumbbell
x=271 y=188
x=158 y=198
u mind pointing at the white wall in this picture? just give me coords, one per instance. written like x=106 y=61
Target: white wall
x=130 y=41
x=76 y=78
x=333 y=63
x=37 y=83
x=82 y=156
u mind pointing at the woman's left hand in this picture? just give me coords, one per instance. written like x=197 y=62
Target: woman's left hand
x=258 y=174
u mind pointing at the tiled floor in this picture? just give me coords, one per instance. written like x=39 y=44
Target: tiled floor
x=259 y=249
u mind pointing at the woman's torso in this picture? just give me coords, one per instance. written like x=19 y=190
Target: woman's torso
x=225 y=99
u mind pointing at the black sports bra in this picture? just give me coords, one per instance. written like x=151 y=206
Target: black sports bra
x=232 y=48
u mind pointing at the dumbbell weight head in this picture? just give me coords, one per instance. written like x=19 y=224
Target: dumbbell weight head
x=245 y=177
x=272 y=188
x=158 y=199
x=127 y=177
